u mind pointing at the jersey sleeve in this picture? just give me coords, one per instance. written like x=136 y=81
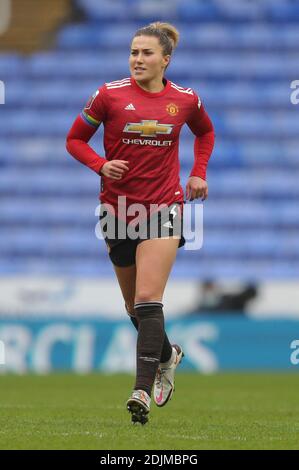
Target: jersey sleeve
x=95 y=109
x=202 y=127
x=84 y=127
x=199 y=121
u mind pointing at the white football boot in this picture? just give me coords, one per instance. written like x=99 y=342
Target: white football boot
x=139 y=405
x=164 y=380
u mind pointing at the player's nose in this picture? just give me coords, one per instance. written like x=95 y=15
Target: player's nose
x=139 y=58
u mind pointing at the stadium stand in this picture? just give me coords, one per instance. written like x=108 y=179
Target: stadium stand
x=239 y=56
x=33 y=24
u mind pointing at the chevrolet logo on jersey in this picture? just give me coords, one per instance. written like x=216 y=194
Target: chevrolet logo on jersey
x=148 y=128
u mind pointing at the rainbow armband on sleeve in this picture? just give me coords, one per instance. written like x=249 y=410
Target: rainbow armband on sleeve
x=90 y=120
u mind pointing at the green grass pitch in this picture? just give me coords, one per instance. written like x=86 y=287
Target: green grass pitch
x=222 y=411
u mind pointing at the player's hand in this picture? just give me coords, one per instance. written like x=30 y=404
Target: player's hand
x=196 y=188
x=114 y=169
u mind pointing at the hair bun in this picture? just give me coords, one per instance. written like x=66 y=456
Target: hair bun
x=169 y=30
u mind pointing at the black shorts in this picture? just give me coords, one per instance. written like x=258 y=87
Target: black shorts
x=122 y=240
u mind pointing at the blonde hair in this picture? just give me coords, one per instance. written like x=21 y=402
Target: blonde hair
x=167 y=34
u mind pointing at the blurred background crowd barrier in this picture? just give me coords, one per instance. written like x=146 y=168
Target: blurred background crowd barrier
x=58 y=291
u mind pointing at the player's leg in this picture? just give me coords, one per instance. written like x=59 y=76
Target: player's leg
x=154 y=260
x=155 y=255
x=126 y=276
x=123 y=256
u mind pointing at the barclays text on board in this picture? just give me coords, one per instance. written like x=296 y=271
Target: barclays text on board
x=210 y=344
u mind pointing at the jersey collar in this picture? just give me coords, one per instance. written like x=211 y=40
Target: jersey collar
x=148 y=93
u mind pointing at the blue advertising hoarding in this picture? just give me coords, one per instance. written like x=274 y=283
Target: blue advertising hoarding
x=211 y=344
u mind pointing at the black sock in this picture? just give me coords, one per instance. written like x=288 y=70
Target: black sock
x=149 y=343
x=166 y=349
x=134 y=321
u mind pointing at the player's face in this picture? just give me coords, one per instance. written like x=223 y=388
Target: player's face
x=147 y=61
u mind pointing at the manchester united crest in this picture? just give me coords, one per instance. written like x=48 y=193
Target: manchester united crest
x=172 y=109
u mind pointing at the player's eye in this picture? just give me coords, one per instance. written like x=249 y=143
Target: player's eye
x=136 y=52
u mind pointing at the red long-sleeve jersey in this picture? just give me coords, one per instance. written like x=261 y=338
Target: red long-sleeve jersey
x=142 y=128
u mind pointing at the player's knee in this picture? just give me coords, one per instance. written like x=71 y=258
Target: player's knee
x=130 y=308
x=146 y=296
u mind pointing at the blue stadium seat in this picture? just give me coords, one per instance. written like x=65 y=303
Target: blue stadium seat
x=208 y=35
x=126 y=10
x=86 y=36
x=10 y=65
x=58 y=93
x=239 y=244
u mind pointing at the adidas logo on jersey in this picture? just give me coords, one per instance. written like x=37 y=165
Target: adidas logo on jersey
x=130 y=107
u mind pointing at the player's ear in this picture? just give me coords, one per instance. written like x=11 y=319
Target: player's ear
x=166 y=60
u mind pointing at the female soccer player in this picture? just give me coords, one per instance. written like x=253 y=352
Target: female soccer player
x=142 y=117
